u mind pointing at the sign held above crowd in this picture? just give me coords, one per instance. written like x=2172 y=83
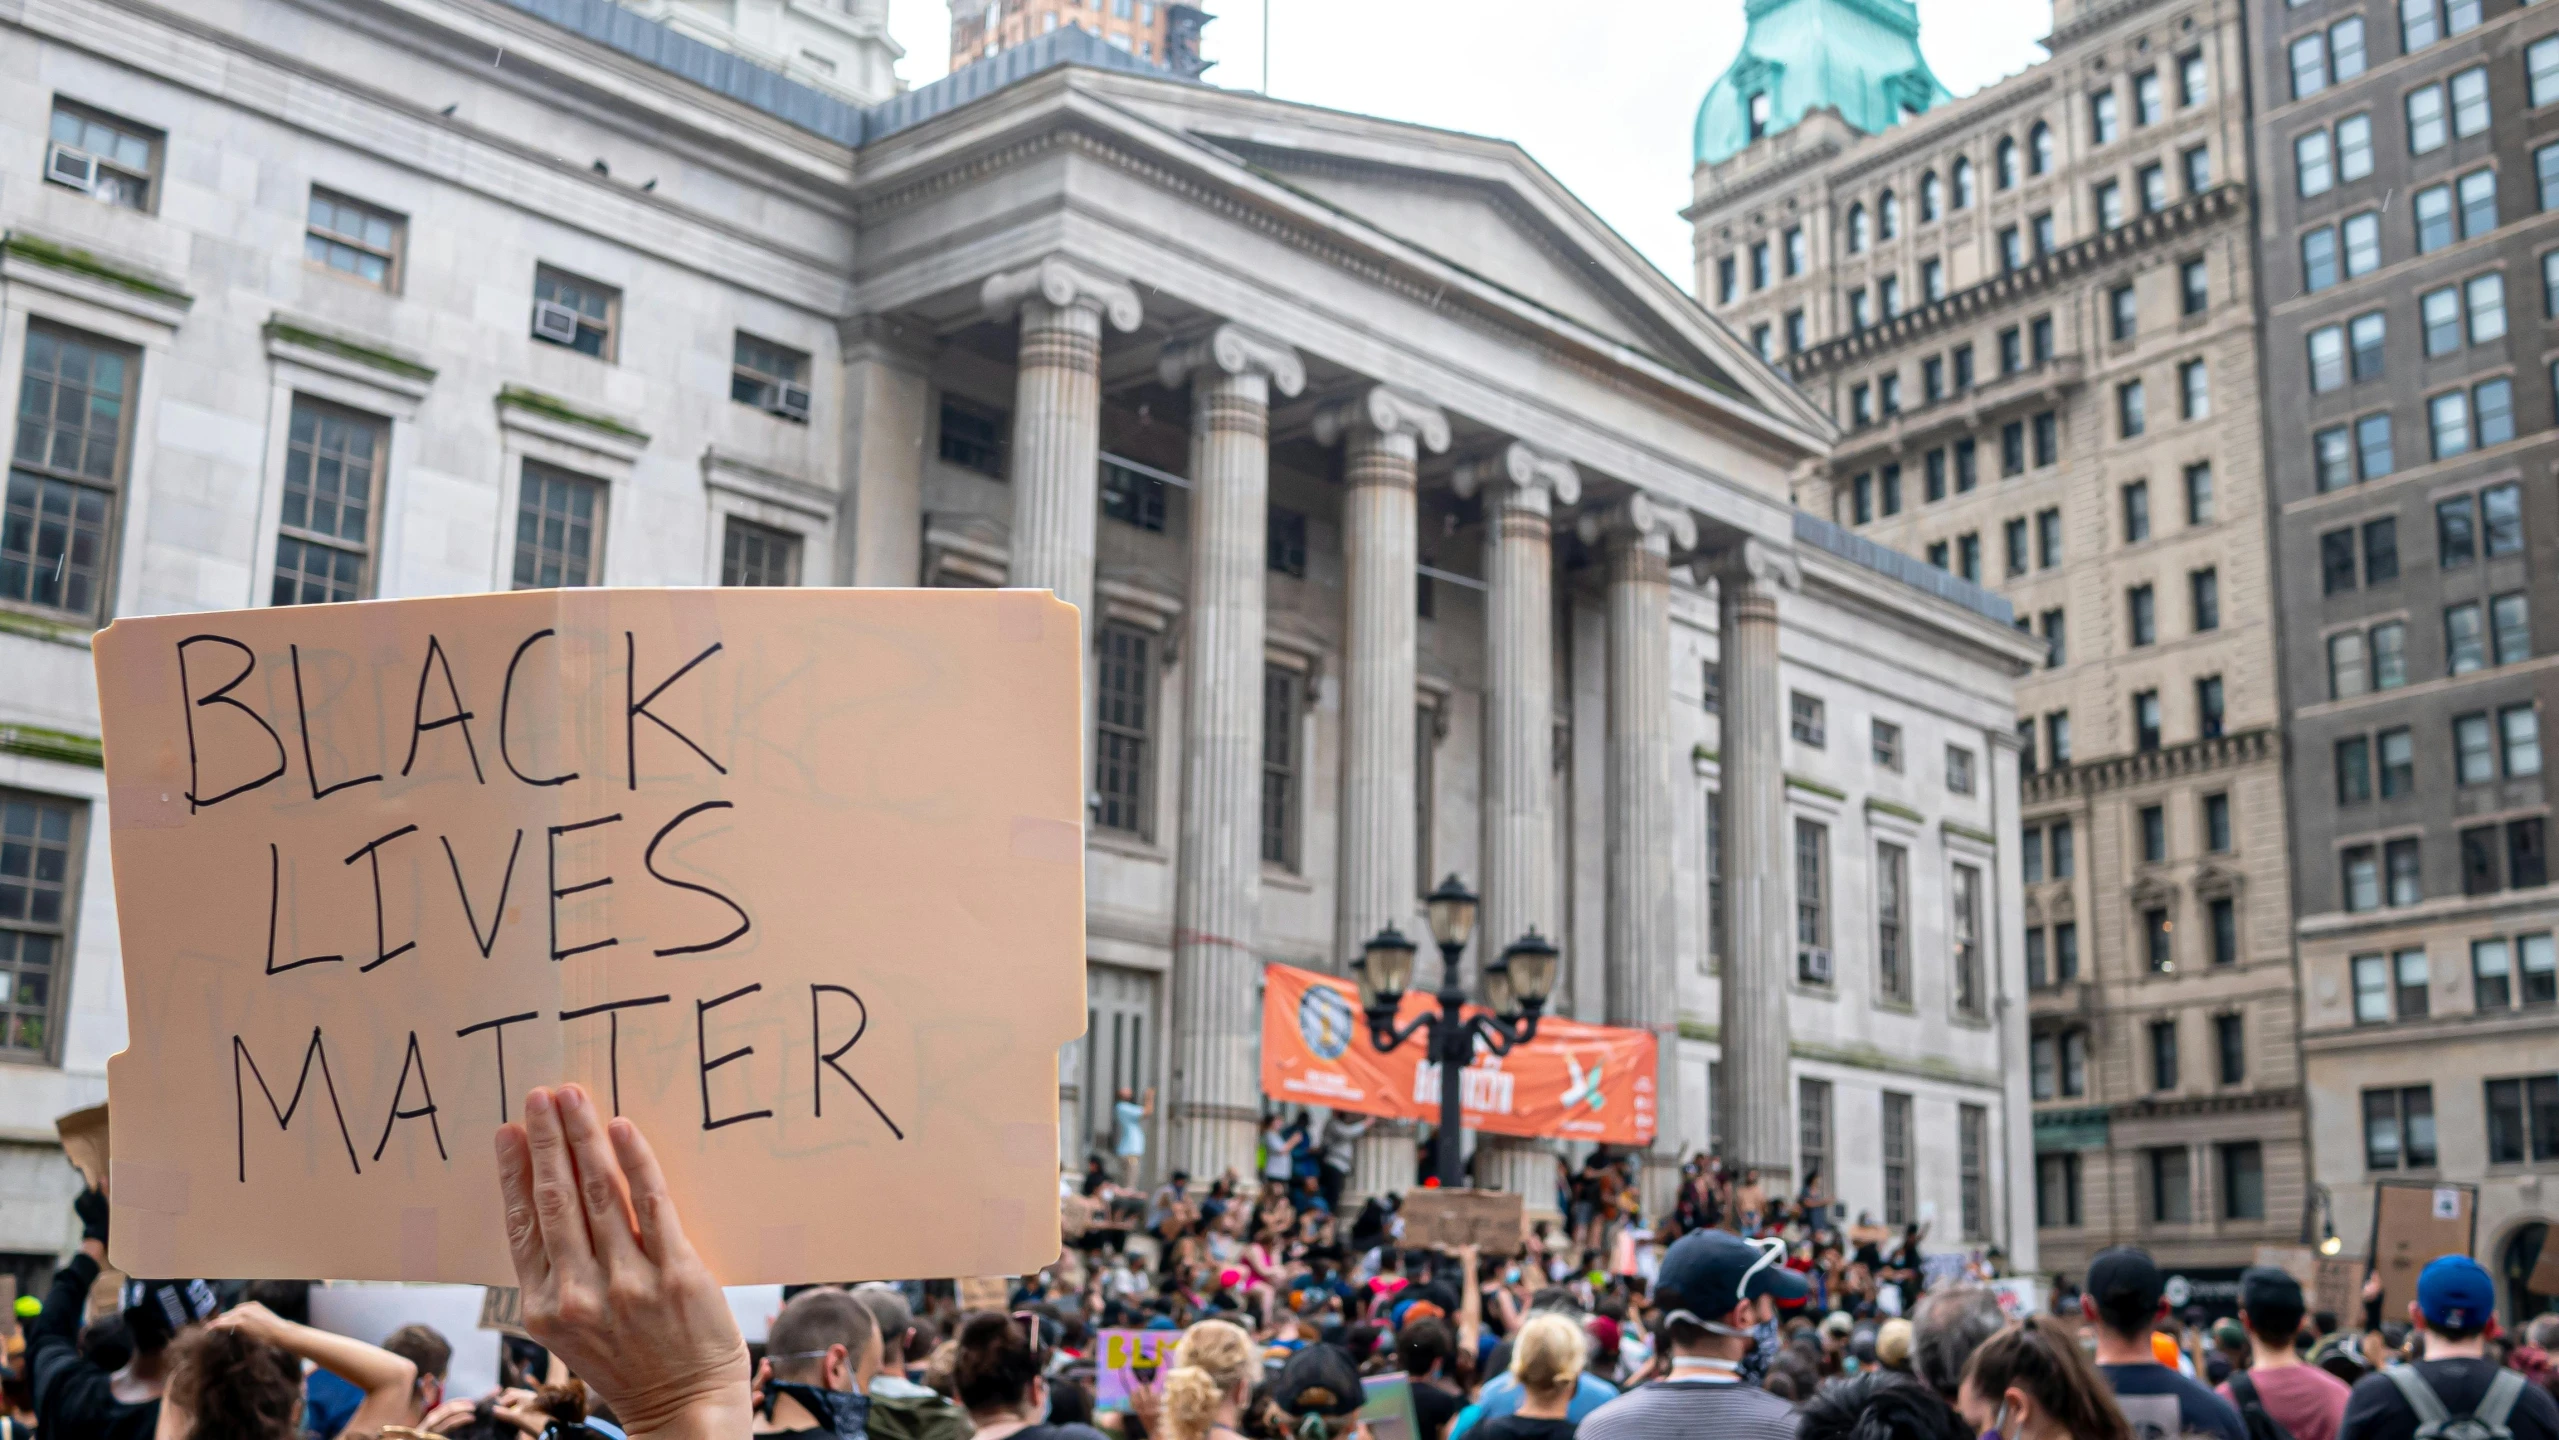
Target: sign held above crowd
x=792 y=878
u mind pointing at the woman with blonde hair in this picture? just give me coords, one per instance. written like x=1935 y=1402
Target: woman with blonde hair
x=1213 y=1372
x=1547 y=1357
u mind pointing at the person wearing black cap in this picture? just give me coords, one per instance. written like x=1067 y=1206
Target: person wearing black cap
x=2124 y=1298
x=2456 y=1389
x=2308 y=1402
x=1318 y=1393
x=1713 y=1287
x=75 y=1400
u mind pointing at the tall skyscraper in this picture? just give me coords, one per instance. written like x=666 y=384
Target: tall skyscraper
x=2032 y=312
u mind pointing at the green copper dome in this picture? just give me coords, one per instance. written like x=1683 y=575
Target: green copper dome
x=1859 y=57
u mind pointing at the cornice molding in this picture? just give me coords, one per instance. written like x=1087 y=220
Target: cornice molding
x=2226 y=202
x=2116 y=772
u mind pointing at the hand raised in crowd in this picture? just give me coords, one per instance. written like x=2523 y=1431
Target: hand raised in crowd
x=610 y=1285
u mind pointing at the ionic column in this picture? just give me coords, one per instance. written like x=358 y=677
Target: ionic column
x=1520 y=487
x=1057 y=418
x=1218 y=879
x=1758 y=1102
x=1642 y=893
x=1383 y=434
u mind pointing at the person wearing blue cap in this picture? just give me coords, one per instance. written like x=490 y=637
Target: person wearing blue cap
x=2456 y=1392
x=1713 y=1287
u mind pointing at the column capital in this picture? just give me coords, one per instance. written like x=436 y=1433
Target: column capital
x=1536 y=480
x=1063 y=283
x=1754 y=562
x=1232 y=350
x=1386 y=411
x=1640 y=520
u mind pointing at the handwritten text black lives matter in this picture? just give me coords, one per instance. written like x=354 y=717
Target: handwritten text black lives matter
x=234 y=750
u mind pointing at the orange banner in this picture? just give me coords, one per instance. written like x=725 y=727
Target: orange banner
x=1573 y=1082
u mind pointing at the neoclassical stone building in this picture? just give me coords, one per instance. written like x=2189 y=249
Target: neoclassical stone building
x=1419 y=526
x=2032 y=313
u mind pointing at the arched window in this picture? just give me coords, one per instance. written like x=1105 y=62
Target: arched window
x=1758 y=114
x=2007 y=162
x=1963 y=174
x=1932 y=197
x=1888 y=216
x=2040 y=143
x=1856 y=229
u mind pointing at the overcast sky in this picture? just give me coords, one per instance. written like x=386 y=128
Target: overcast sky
x=1603 y=92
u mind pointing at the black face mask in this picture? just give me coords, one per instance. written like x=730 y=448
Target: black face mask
x=843 y=1412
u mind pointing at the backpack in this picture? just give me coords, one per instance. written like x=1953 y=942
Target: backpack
x=2488 y=1422
x=2252 y=1410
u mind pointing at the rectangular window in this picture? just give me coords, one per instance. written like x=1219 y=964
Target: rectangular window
x=2427 y=129
x=40 y=849
x=2348 y=673
x=2145 y=706
x=1284 y=542
x=2492 y=406
x=2519 y=733
x=1892 y=962
x=116 y=161
x=2373 y=455
x=2198 y=163
x=2208 y=712
x=2318 y=259
x=773 y=378
x=2191 y=78
x=2332 y=458
x=2354 y=770
x=2048 y=538
x=2337 y=561
x=2224 y=916
x=2243 y=1181
x=1134 y=499
x=66 y=470
x=2399 y=1128
x=2194 y=390
x=1972 y=1143
x=559 y=529
x=2407 y=880
x=2448 y=424
x=2158 y=942
x=2432 y=211
x=973 y=436
x=1124 y=711
x=2439 y=320
x=2510 y=629
x=354 y=238
x=2153 y=183
x=2527 y=863
x=2381 y=550
x=2372 y=989
x=1886 y=742
x=2057 y=654
x=752 y=554
x=327 y=526
x=1812 y=1126
x=1898 y=1209
x=1727 y=279
x=2103 y=126
x=2154 y=834
x=2309 y=65
x=2110 y=205
x=2314 y=164
x=2501 y=516
x=1805 y=717
x=2057 y=745
x=2474 y=749
x=1959 y=770
x=2163 y=1055
x=2150 y=101
x=1965 y=908
x=2478 y=194
x=2491 y=975
x=1797 y=252
x=1714 y=875
x=2172 y=1198
x=2361 y=240
x=2365 y=337
x=2419 y=26
x=2469 y=89
x=1283 y=690
x=2193 y=286
x=569 y=310
x=2039 y=339
x=2354 y=147
x=2131 y=413
x=2541 y=70
x=2538 y=961
x=2145 y=623
x=2397 y=762
x=2057 y=1190
x=2123 y=312
x=1812 y=913
x=2465 y=644
x=1759 y=268
x=2479 y=872
x=2327 y=346
x=2362 y=878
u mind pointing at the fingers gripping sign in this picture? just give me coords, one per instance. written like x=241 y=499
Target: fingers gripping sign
x=609 y=1282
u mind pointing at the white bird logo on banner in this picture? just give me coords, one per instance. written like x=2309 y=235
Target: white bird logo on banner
x=1585 y=1085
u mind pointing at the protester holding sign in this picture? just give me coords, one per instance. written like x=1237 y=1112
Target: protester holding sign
x=74 y=1398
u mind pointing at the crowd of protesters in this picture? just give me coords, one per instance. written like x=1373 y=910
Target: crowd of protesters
x=1730 y=1313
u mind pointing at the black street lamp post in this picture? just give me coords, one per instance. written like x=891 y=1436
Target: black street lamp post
x=1515 y=990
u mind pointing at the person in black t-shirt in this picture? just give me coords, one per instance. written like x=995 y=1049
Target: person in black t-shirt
x=1426 y=1350
x=2456 y=1304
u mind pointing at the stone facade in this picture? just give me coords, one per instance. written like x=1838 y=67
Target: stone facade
x=2409 y=428
x=1395 y=489
x=2032 y=311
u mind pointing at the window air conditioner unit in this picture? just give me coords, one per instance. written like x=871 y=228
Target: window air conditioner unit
x=1812 y=964
x=791 y=402
x=555 y=322
x=66 y=166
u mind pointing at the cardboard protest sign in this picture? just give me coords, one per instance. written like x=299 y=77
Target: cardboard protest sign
x=1573 y=1082
x=2544 y=1279
x=1128 y=1361
x=502 y=1310
x=2339 y=1290
x=2412 y=1223
x=1436 y=1219
x=793 y=878
x=84 y=1139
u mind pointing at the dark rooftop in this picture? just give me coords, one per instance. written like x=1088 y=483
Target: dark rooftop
x=1857 y=549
